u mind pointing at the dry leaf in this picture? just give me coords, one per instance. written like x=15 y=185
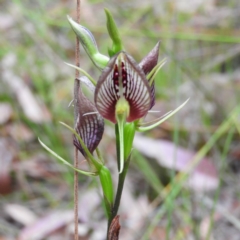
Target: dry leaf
x=20 y=214
x=35 y=111
x=20 y=132
x=46 y=225
x=202 y=178
x=6 y=112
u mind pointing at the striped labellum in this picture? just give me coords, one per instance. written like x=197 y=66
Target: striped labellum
x=89 y=125
x=123 y=79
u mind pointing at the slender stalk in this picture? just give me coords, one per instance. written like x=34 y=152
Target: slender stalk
x=76 y=104
x=121 y=179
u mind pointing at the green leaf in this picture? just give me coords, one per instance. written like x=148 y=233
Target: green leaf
x=65 y=161
x=143 y=129
x=129 y=133
x=107 y=187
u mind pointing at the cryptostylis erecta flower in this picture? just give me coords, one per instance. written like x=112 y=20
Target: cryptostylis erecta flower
x=123 y=94
x=121 y=87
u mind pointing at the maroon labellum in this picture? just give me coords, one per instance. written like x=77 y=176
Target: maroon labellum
x=89 y=125
x=123 y=78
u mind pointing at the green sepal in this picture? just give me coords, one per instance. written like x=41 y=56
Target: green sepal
x=114 y=34
x=150 y=76
x=107 y=187
x=117 y=144
x=65 y=161
x=124 y=139
x=89 y=44
x=98 y=165
x=121 y=112
x=121 y=123
x=129 y=133
x=141 y=128
x=83 y=72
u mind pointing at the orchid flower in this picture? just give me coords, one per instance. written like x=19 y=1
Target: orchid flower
x=125 y=90
x=123 y=95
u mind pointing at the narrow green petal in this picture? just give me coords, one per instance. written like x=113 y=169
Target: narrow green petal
x=121 y=143
x=83 y=72
x=65 y=161
x=155 y=70
x=143 y=129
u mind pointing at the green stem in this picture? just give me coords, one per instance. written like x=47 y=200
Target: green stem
x=121 y=179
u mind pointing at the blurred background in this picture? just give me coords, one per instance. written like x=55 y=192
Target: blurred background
x=201 y=41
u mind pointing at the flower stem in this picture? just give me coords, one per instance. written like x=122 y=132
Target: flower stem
x=121 y=179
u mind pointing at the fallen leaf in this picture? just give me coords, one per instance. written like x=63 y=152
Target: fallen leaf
x=83 y=230
x=46 y=225
x=202 y=178
x=20 y=132
x=37 y=166
x=6 y=112
x=20 y=214
x=88 y=202
x=6 y=21
x=32 y=108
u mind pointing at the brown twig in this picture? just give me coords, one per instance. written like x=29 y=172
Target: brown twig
x=76 y=104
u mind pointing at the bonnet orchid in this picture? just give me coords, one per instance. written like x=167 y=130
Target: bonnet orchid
x=125 y=90
x=123 y=95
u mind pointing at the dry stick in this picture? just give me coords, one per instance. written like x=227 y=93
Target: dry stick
x=76 y=104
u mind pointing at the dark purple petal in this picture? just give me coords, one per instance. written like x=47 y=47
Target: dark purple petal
x=147 y=64
x=150 y=60
x=122 y=78
x=89 y=125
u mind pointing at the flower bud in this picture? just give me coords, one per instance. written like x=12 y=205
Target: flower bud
x=114 y=34
x=89 y=125
x=89 y=44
